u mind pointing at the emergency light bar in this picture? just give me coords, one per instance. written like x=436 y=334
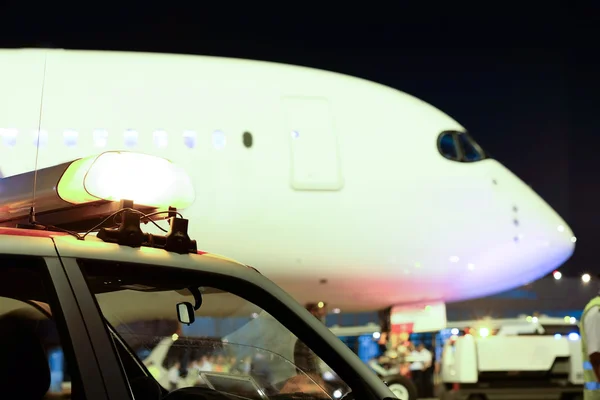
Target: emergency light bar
x=98 y=182
x=115 y=176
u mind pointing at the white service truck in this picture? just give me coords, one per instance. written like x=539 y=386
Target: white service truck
x=387 y=368
x=524 y=358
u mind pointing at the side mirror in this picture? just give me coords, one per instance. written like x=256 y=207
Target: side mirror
x=185 y=313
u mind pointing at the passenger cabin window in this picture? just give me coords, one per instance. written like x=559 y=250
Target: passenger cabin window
x=459 y=146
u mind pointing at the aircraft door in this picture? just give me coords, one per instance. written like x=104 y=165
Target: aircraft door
x=315 y=163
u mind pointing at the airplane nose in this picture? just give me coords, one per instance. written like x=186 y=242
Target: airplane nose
x=542 y=239
x=542 y=232
x=548 y=230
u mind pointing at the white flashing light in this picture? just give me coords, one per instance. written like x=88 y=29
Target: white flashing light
x=337 y=394
x=328 y=376
x=586 y=278
x=557 y=336
x=573 y=239
x=336 y=311
x=376 y=335
x=573 y=336
x=147 y=180
x=572 y=320
x=484 y=332
x=561 y=228
x=534 y=320
x=454 y=331
x=557 y=275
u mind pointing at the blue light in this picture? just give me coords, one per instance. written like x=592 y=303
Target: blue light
x=557 y=336
x=56 y=364
x=367 y=348
x=573 y=336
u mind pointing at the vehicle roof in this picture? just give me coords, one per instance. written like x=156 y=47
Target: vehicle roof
x=27 y=242
x=42 y=243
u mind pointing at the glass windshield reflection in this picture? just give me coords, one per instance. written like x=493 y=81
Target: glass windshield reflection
x=232 y=345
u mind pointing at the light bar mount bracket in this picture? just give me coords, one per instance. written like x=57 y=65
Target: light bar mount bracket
x=129 y=232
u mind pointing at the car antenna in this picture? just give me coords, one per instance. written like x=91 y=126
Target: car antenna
x=32 y=220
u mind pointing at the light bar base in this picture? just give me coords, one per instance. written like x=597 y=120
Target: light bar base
x=130 y=234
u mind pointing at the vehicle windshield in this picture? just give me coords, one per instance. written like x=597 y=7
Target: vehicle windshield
x=233 y=345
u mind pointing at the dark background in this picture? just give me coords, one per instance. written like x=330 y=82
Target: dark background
x=523 y=82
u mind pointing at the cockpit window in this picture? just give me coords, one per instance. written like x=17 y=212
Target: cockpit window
x=470 y=152
x=447 y=145
x=459 y=146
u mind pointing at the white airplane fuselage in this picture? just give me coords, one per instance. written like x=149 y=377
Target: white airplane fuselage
x=343 y=195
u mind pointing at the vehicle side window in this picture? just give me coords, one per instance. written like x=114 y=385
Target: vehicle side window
x=35 y=357
x=233 y=345
x=447 y=145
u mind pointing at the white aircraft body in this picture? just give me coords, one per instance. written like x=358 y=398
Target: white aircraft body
x=349 y=192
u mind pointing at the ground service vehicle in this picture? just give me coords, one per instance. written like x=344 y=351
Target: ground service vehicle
x=76 y=308
x=387 y=369
x=527 y=357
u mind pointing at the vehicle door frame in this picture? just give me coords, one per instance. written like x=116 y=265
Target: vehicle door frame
x=88 y=367
x=116 y=384
x=61 y=294
x=254 y=292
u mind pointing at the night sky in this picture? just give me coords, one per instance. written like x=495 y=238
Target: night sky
x=524 y=84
